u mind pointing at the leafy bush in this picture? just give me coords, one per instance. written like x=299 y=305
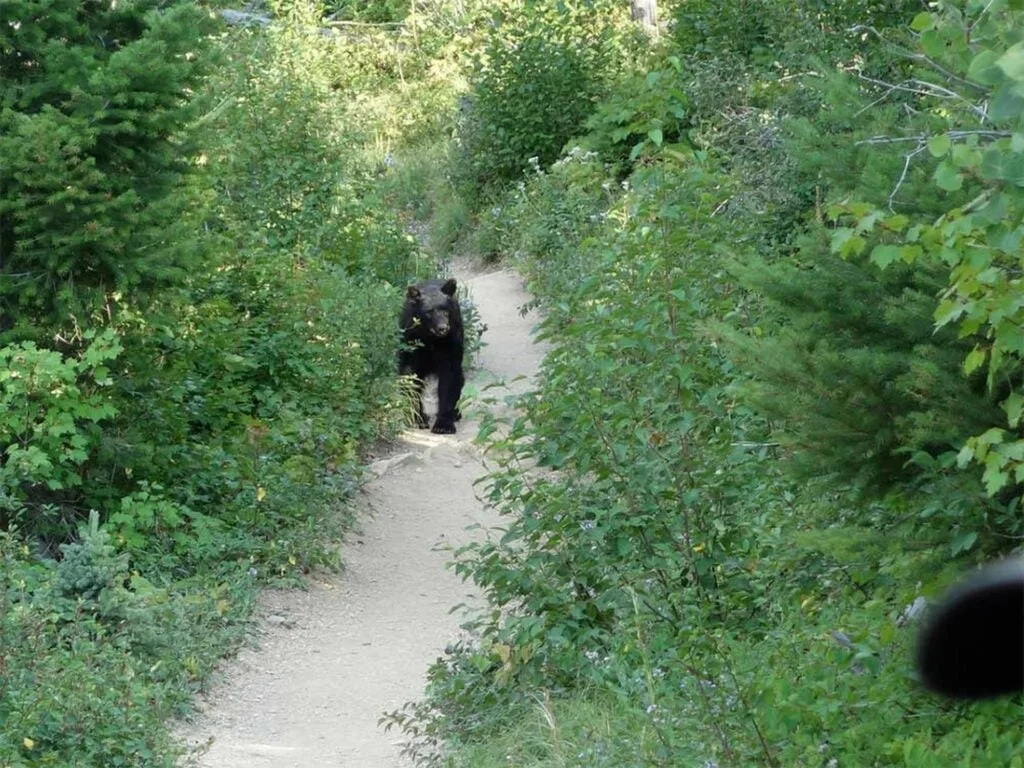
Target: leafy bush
x=209 y=420
x=533 y=86
x=92 y=667
x=656 y=545
x=376 y=11
x=50 y=408
x=785 y=31
x=650 y=111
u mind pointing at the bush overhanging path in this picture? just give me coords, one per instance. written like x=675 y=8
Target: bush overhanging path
x=335 y=657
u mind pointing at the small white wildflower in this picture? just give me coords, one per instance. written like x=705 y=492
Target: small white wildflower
x=651 y=708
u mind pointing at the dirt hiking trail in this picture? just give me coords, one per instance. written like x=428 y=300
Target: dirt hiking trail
x=332 y=659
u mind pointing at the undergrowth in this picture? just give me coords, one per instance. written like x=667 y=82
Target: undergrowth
x=188 y=389
x=743 y=470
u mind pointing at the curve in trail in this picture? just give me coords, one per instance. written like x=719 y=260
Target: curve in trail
x=333 y=658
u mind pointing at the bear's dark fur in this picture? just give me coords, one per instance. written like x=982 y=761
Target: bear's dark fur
x=432 y=330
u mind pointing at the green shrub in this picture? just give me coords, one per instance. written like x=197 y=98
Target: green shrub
x=654 y=545
x=95 y=660
x=211 y=419
x=50 y=411
x=533 y=86
x=788 y=31
x=377 y=11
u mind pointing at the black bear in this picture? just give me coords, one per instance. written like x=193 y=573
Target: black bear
x=433 y=334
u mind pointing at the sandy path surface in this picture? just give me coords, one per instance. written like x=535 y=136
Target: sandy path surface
x=332 y=659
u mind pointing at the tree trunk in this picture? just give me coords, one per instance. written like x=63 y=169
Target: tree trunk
x=646 y=12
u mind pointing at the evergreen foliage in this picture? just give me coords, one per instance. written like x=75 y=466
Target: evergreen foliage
x=778 y=254
x=94 y=111
x=199 y=288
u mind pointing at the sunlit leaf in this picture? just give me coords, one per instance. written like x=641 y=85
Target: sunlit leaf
x=939 y=145
x=948 y=177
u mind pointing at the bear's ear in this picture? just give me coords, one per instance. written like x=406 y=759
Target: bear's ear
x=412 y=292
x=448 y=289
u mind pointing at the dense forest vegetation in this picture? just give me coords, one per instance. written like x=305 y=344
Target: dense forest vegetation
x=777 y=246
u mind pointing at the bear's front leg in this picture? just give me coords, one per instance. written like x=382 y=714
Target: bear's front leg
x=449 y=389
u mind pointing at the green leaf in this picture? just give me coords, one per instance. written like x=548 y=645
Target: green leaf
x=948 y=177
x=983 y=68
x=656 y=136
x=975 y=359
x=964 y=156
x=840 y=238
x=867 y=223
x=1017 y=142
x=922 y=22
x=939 y=145
x=963 y=542
x=1012 y=62
x=910 y=253
x=965 y=456
x=1000 y=165
x=896 y=223
x=1007 y=102
x=932 y=43
x=995 y=477
x=884 y=255
x=1014 y=406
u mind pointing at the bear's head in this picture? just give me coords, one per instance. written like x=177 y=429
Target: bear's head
x=434 y=309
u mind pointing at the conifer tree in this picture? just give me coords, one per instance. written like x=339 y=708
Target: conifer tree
x=855 y=381
x=95 y=104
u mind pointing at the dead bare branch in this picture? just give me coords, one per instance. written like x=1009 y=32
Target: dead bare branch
x=924 y=88
x=906 y=167
x=955 y=135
